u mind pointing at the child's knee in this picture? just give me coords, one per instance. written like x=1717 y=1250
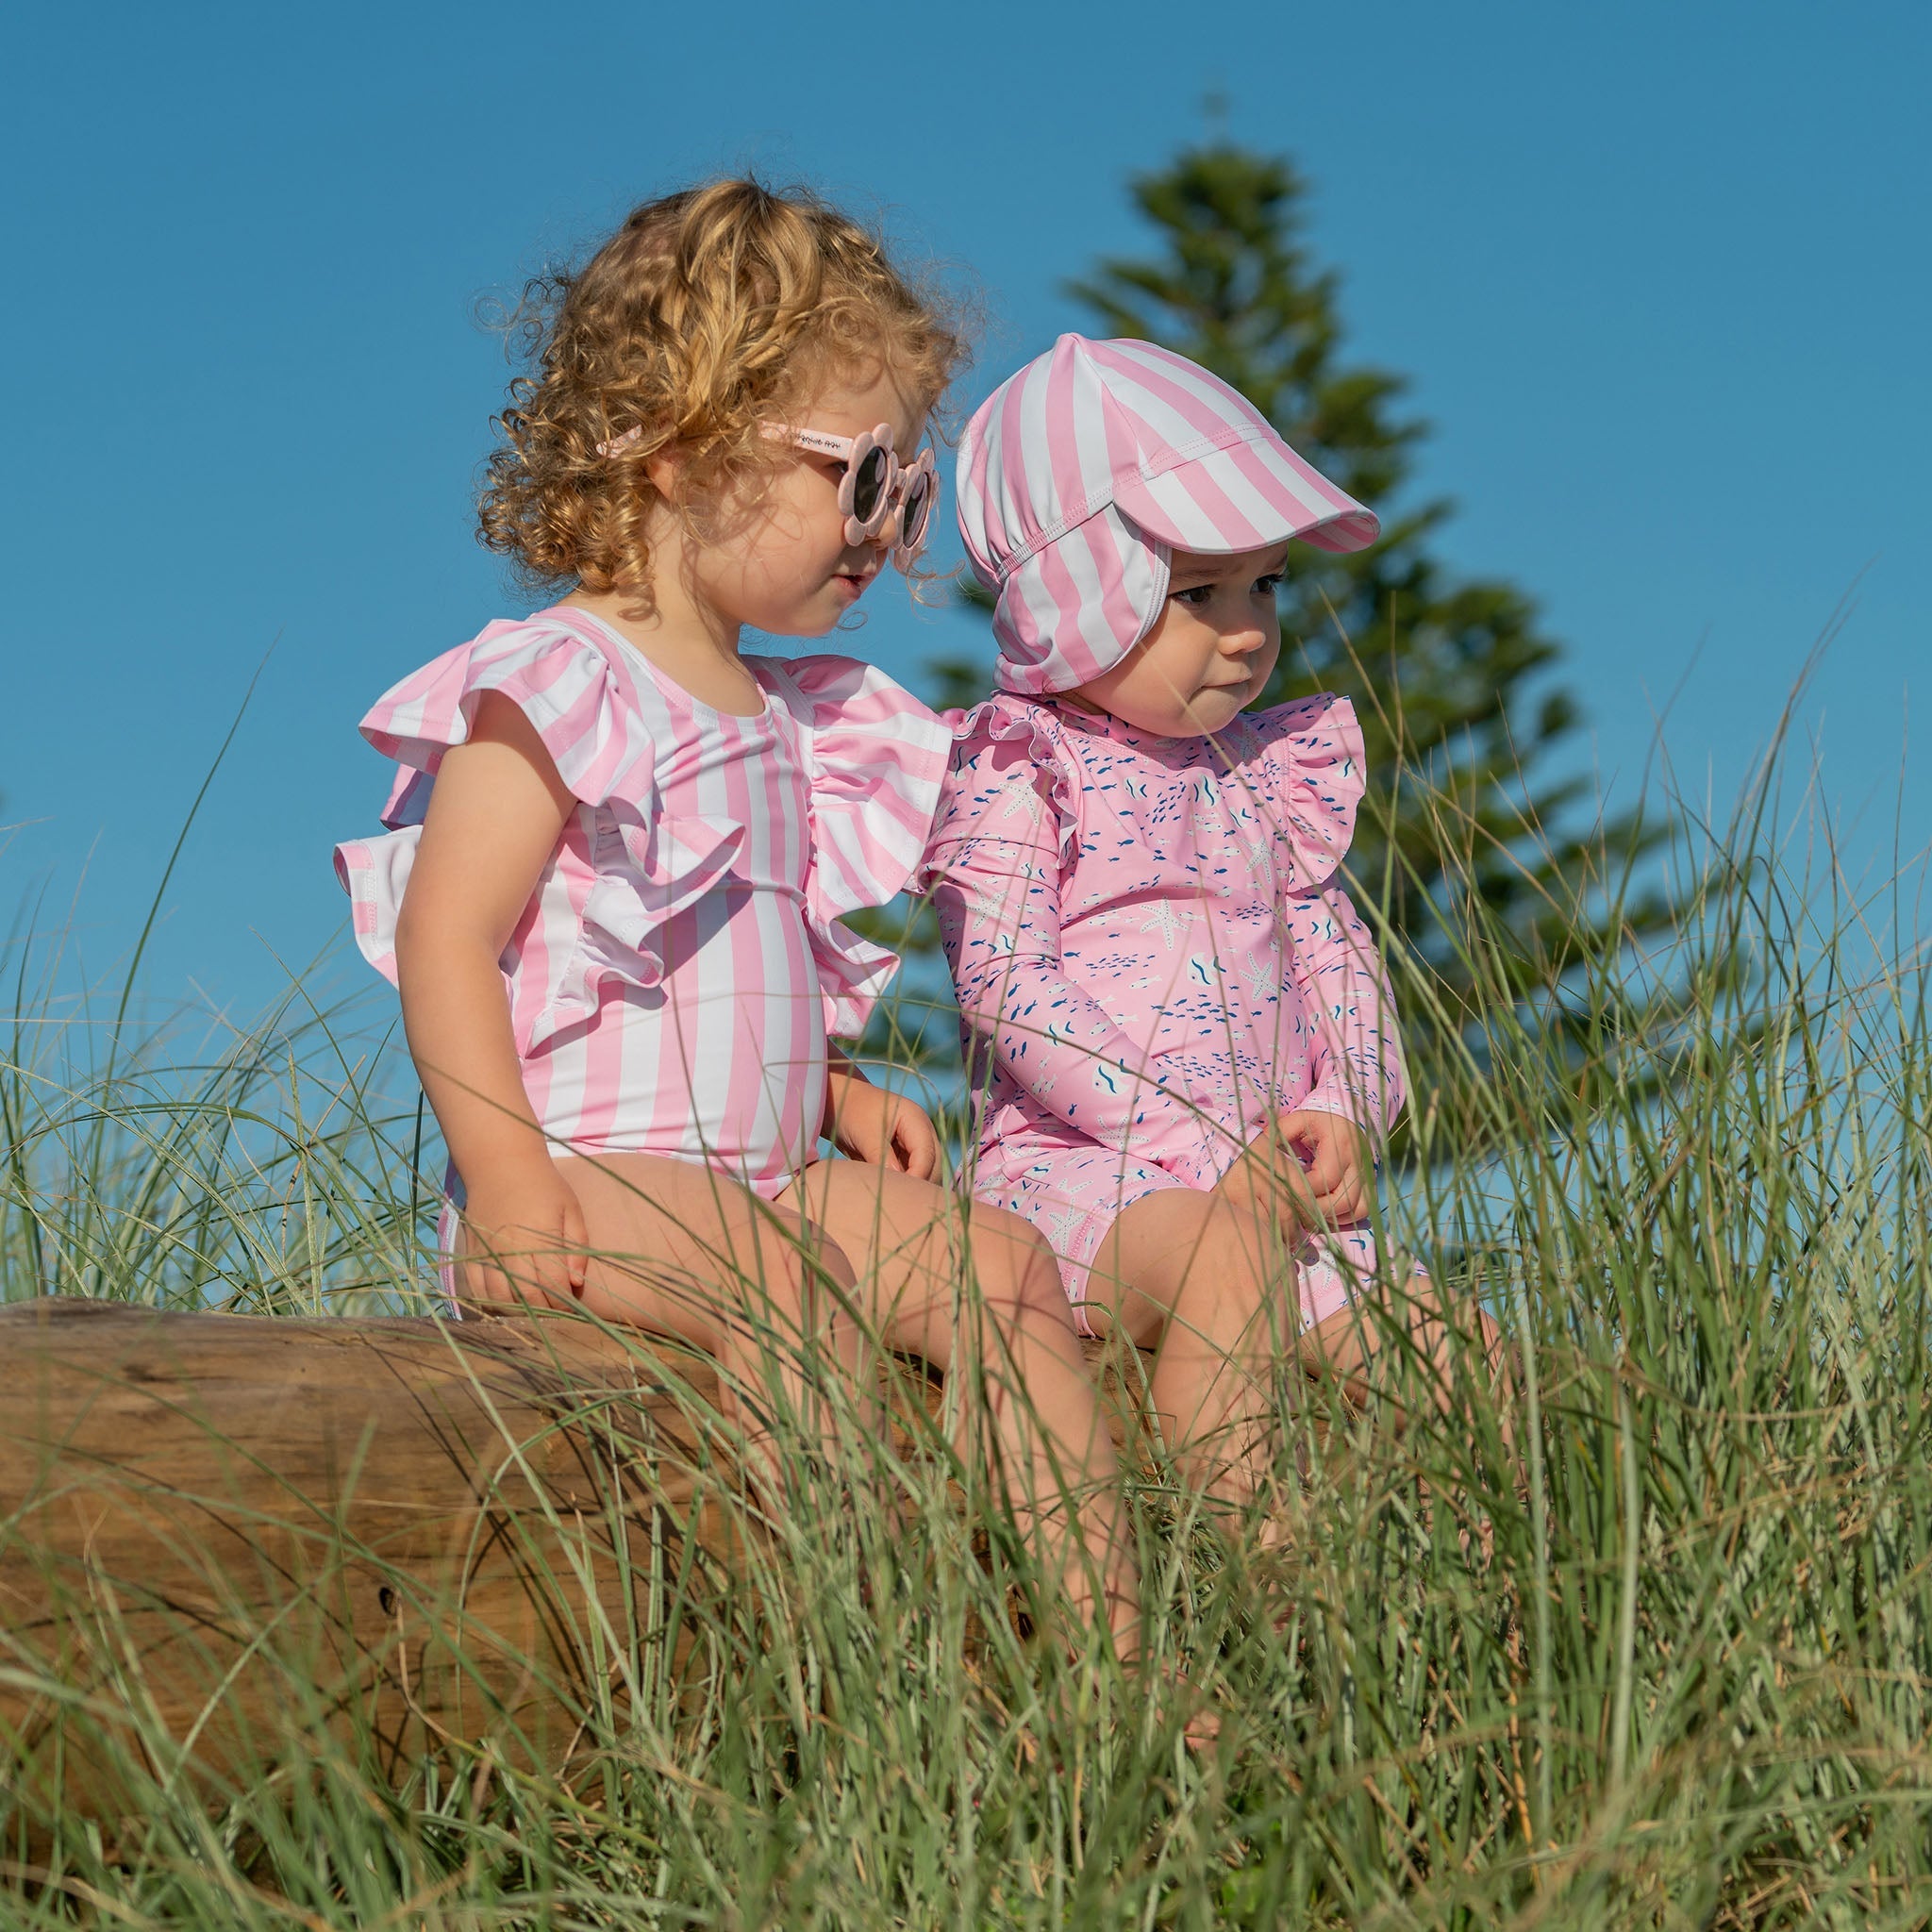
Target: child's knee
x=792 y=1267
x=1017 y=1270
x=1236 y=1259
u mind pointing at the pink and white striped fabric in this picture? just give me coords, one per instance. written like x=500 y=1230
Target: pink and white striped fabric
x=674 y=978
x=1083 y=472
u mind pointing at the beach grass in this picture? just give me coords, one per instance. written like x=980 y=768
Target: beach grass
x=1641 y=1638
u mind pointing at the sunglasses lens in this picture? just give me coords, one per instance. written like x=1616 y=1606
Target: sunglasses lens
x=913 y=515
x=869 y=484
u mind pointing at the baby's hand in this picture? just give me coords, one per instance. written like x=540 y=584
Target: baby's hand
x=524 y=1240
x=1267 y=1180
x=885 y=1129
x=1337 y=1160
x=1311 y=1168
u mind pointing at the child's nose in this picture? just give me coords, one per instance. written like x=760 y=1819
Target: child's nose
x=879 y=546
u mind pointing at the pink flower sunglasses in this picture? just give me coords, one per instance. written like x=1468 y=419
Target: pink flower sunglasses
x=875 y=481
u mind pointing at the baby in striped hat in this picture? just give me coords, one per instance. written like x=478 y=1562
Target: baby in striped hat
x=1178 y=1032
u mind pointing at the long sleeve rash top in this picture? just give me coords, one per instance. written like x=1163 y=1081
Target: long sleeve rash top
x=1151 y=950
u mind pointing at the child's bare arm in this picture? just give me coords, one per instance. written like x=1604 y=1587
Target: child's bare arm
x=493 y=818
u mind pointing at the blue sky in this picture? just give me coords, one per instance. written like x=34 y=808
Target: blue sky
x=1659 y=275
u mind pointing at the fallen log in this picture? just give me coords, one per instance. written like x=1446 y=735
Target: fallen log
x=223 y=1538
x=220 y=1536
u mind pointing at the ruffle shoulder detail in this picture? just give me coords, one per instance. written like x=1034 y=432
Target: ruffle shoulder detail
x=583 y=706
x=875 y=759
x=603 y=725
x=1312 y=749
x=997 y=735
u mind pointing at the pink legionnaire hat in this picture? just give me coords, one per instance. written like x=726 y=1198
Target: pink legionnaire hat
x=1080 y=475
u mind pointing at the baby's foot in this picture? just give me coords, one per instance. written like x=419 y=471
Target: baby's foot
x=1200 y=1722
x=1070 y=1630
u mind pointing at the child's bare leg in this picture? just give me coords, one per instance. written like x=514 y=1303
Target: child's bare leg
x=679 y=1250
x=908 y=1241
x=1216 y=1287
x=1349 y=1345
x=1363 y=1352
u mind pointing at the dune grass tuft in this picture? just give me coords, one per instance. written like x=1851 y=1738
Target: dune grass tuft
x=1643 y=1641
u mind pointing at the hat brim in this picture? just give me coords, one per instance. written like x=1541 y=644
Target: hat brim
x=1246 y=496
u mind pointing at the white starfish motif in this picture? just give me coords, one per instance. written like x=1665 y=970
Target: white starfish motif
x=1262 y=979
x=1166 y=920
x=1061 y=1228
x=1022 y=801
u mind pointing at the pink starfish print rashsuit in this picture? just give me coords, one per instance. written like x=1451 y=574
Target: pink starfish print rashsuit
x=1153 y=957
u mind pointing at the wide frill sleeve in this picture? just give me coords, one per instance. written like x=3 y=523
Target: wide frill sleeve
x=592 y=722
x=876 y=756
x=1005 y=844
x=1312 y=757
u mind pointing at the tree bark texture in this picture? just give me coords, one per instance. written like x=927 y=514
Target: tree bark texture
x=224 y=1538
x=223 y=1535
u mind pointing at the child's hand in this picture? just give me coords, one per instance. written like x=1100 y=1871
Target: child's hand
x=1338 y=1162
x=886 y=1130
x=1314 y=1168
x=1267 y=1179
x=534 y=1227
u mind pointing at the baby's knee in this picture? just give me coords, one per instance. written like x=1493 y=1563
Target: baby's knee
x=1016 y=1268
x=1440 y=1316
x=1236 y=1256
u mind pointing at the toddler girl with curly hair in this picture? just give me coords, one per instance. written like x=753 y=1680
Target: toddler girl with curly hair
x=622 y=849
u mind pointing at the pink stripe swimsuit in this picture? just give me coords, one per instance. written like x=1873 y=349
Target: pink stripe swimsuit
x=1152 y=957
x=674 y=978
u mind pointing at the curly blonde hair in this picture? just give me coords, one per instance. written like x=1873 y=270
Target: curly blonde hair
x=708 y=311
